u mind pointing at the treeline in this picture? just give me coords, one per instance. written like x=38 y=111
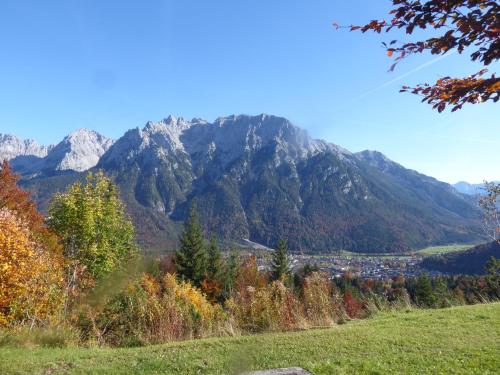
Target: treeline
x=78 y=277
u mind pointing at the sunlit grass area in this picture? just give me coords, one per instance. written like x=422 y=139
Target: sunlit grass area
x=350 y=254
x=432 y=250
x=459 y=340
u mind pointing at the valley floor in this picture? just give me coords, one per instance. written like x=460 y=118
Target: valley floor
x=459 y=340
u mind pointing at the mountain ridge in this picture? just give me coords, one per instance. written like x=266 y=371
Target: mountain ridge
x=260 y=178
x=471 y=189
x=79 y=151
x=12 y=147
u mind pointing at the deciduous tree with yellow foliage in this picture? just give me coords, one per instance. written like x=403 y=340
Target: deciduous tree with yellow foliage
x=31 y=281
x=96 y=234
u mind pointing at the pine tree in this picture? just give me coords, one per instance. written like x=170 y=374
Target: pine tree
x=230 y=273
x=280 y=264
x=212 y=284
x=214 y=261
x=492 y=267
x=493 y=277
x=442 y=292
x=424 y=294
x=191 y=258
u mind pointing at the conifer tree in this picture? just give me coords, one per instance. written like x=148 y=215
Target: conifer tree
x=191 y=258
x=212 y=284
x=492 y=267
x=230 y=273
x=424 y=293
x=214 y=261
x=442 y=293
x=280 y=264
x=493 y=278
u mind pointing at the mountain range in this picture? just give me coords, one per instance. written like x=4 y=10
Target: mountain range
x=77 y=152
x=254 y=179
x=471 y=189
x=11 y=147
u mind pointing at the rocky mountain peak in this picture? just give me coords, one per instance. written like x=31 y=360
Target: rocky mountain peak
x=83 y=135
x=12 y=147
x=79 y=151
x=225 y=139
x=376 y=159
x=260 y=177
x=166 y=123
x=165 y=133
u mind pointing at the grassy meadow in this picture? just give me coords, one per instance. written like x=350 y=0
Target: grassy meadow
x=434 y=250
x=458 y=340
x=431 y=250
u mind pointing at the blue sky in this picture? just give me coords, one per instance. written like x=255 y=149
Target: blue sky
x=113 y=65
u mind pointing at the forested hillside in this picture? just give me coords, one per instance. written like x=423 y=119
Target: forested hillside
x=469 y=262
x=262 y=178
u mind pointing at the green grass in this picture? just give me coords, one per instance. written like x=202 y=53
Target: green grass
x=460 y=340
x=444 y=249
x=431 y=250
x=350 y=254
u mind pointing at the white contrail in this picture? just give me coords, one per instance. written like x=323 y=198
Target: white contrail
x=388 y=83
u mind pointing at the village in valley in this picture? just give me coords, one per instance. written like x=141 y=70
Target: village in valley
x=365 y=266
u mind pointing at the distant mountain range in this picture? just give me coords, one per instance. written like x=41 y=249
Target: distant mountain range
x=470 y=189
x=11 y=147
x=78 y=152
x=255 y=178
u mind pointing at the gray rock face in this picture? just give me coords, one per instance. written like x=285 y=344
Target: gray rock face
x=377 y=159
x=79 y=151
x=229 y=138
x=12 y=147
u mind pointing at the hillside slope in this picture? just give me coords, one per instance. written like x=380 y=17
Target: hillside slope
x=469 y=262
x=460 y=340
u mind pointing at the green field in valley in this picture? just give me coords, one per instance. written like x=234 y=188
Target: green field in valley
x=433 y=250
x=350 y=254
x=459 y=340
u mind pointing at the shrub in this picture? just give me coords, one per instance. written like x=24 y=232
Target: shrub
x=353 y=307
x=271 y=307
x=320 y=300
x=152 y=311
x=251 y=302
